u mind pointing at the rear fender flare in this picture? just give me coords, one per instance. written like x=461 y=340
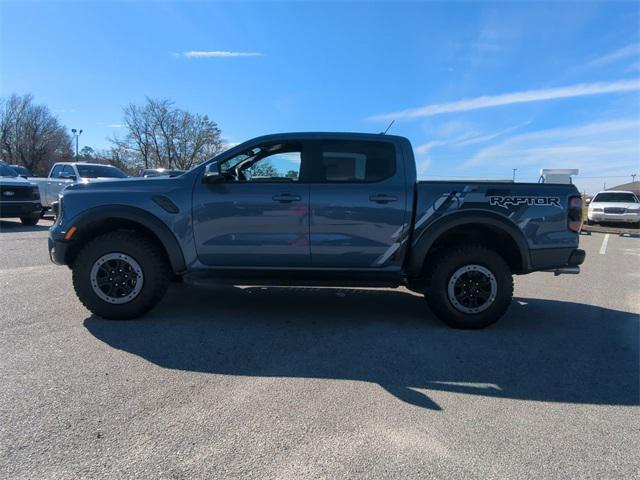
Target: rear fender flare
x=434 y=231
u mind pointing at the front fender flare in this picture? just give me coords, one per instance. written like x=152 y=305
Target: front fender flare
x=90 y=218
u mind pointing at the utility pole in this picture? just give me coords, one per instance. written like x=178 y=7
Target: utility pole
x=633 y=177
x=76 y=133
x=514 y=173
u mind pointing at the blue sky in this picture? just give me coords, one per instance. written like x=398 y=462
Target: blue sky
x=479 y=88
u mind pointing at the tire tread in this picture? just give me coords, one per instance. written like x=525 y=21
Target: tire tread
x=157 y=276
x=439 y=302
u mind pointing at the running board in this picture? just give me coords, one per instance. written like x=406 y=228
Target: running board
x=565 y=271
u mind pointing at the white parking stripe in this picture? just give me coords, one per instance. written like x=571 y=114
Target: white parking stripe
x=603 y=248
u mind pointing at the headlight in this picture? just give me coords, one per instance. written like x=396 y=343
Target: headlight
x=633 y=210
x=597 y=209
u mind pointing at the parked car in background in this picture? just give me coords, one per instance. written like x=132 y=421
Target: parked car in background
x=63 y=174
x=22 y=171
x=19 y=198
x=161 y=172
x=614 y=206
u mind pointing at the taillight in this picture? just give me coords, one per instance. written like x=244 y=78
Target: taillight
x=36 y=193
x=574 y=217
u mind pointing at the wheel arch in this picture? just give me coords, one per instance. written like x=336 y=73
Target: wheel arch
x=103 y=219
x=480 y=227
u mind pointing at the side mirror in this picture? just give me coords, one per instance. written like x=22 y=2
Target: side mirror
x=68 y=176
x=212 y=174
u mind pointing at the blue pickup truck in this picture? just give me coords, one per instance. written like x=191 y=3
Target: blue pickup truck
x=338 y=209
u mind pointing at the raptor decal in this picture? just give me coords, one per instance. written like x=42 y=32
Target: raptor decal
x=514 y=201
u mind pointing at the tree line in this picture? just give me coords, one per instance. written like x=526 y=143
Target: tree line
x=157 y=134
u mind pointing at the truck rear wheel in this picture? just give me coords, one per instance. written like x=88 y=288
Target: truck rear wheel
x=469 y=287
x=120 y=275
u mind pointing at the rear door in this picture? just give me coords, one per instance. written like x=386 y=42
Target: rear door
x=259 y=218
x=359 y=204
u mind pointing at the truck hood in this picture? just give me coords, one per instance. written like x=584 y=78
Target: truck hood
x=135 y=183
x=15 y=181
x=100 y=179
x=613 y=205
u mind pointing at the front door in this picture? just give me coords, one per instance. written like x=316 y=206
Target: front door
x=257 y=217
x=359 y=204
x=57 y=182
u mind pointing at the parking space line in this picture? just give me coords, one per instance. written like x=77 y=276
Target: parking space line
x=603 y=248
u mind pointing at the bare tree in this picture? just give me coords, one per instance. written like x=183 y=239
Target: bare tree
x=139 y=134
x=31 y=135
x=162 y=135
x=87 y=154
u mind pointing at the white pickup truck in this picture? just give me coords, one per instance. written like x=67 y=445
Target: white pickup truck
x=63 y=174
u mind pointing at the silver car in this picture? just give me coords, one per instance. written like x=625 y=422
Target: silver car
x=614 y=206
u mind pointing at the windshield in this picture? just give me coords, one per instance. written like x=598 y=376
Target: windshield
x=6 y=171
x=22 y=170
x=615 y=197
x=95 y=171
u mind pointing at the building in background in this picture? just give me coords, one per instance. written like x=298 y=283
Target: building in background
x=628 y=187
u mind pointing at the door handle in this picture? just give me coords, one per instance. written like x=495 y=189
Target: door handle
x=286 y=198
x=382 y=198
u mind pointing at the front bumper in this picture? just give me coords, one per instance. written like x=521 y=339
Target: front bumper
x=19 y=209
x=58 y=246
x=58 y=251
x=614 y=217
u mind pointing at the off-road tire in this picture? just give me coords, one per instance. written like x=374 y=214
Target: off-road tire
x=155 y=269
x=31 y=220
x=441 y=272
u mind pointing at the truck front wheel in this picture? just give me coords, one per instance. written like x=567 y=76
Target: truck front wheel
x=120 y=275
x=469 y=287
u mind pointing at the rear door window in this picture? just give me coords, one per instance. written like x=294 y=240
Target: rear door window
x=348 y=161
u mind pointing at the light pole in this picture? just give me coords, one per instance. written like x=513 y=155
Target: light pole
x=514 y=174
x=76 y=133
x=633 y=177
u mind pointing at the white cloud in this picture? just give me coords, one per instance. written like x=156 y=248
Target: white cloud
x=228 y=145
x=216 y=54
x=468 y=138
x=116 y=125
x=579 y=90
x=601 y=149
x=605 y=151
x=630 y=51
x=491 y=136
x=579 y=144
x=423 y=165
x=426 y=147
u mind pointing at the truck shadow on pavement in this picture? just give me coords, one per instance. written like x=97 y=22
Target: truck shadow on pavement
x=542 y=350
x=17 y=226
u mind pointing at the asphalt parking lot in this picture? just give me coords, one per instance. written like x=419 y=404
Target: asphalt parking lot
x=320 y=383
